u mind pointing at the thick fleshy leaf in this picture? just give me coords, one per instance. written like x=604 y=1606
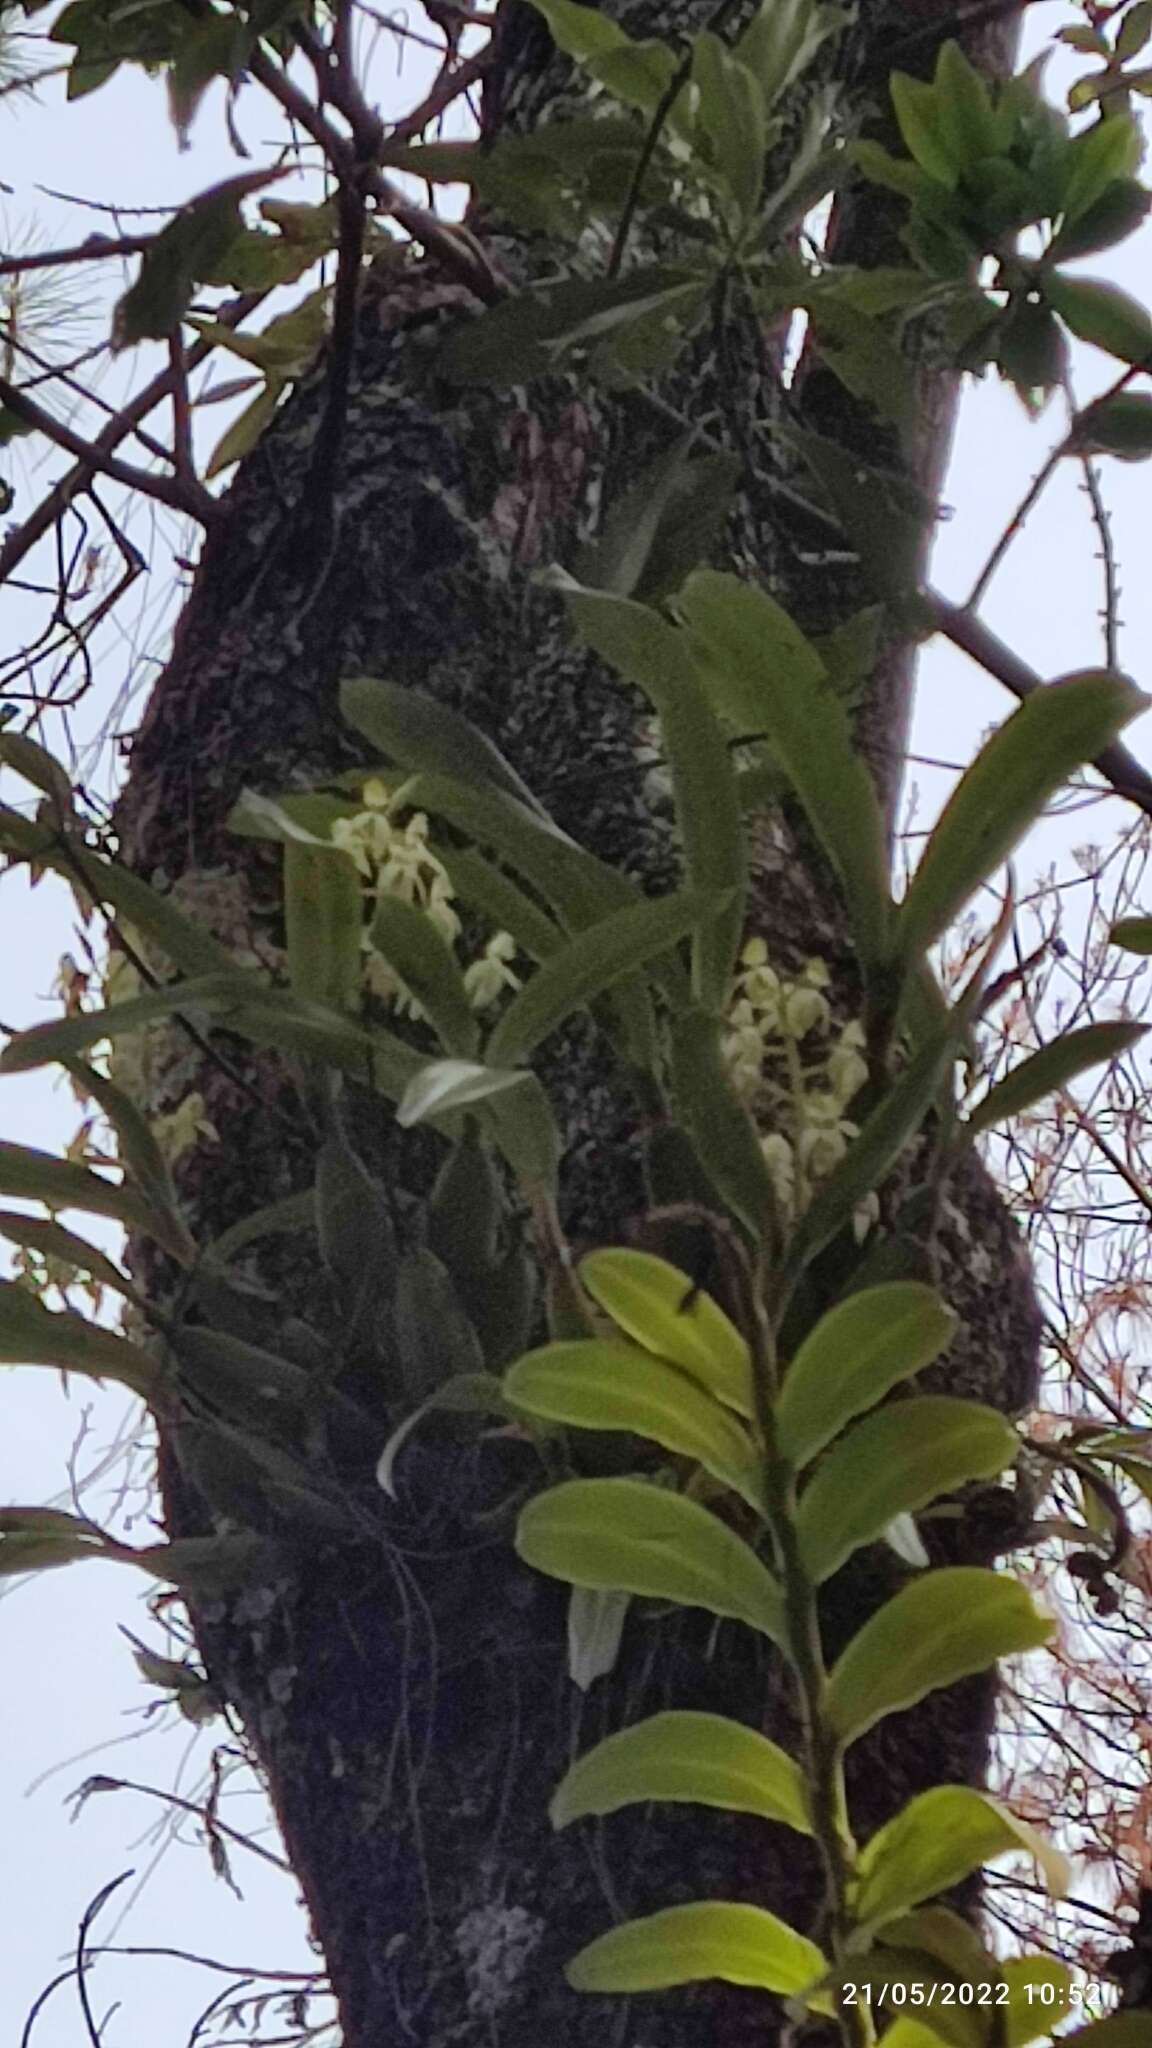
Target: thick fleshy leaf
x=892 y=1463
x=529 y=335
x=593 y=1384
x=592 y=963
x=662 y=1309
x=442 y=1086
x=650 y=652
x=724 y=1136
x=1018 y=771
x=246 y=1385
x=739 y=637
x=39 y=1539
x=936 y=1841
x=899 y=1114
x=1051 y=1069
x=60 y=1184
x=315 y=1031
x=428 y=738
x=638 y=1538
x=323 y=923
x=63 y=1037
x=273 y=1219
x=136 y=1145
x=31 y=1334
x=705 y=1759
x=663 y=525
x=854 y=1356
x=687 y=1944
x=44 y=1235
x=487 y=888
x=354 y=1224
x=420 y=956
x=935 y=1630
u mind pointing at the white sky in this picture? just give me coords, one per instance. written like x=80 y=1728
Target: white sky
x=70 y=1682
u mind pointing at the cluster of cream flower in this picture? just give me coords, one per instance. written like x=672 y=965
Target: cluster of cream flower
x=396 y=860
x=790 y=1061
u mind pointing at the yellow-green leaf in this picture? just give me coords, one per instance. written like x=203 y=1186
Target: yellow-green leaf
x=687 y=1944
x=935 y=1630
x=640 y=1538
x=591 y=1384
x=705 y=1759
x=660 y=1307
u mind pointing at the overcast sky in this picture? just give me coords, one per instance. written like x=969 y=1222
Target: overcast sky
x=70 y=1683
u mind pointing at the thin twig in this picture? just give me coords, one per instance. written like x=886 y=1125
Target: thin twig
x=459 y=251
x=1016 y=524
x=967 y=632
x=25 y=537
x=452 y=82
x=92 y=251
x=181 y=494
x=1108 y=558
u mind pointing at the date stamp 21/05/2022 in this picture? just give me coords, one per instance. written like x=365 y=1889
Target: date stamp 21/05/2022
x=1061 y=1998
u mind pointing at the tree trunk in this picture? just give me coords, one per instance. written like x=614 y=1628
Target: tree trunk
x=406 y=1693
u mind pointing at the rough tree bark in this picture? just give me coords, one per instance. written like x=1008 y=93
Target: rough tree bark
x=406 y=1695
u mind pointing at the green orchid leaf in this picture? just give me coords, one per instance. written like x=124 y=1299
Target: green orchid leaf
x=895 y=1461
x=422 y=959
x=704 y=1759
x=663 y=525
x=660 y=1307
x=60 y=1184
x=636 y=1538
x=33 y=1335
x=856 y=1354
x=687 y=1944
x=428 y=738
x=651 y=653
x=936 y=1841
x=1051 y=1069
x=1031 y=756
x=594 y=962
x=52 y=1241
x=441 y=1086
x=323 y=923
x=941 y=1627
x=595 y=1384
x=739 y=635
